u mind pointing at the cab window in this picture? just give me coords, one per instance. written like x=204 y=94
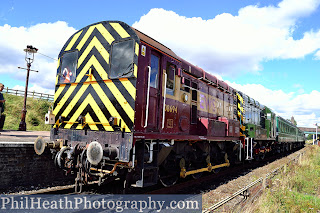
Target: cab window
x=154 y=75
x=68 y=67
x=170 y=79
x=121 y=63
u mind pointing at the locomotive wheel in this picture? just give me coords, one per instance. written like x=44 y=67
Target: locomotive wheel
x=169 y=171
x=167 y=175
x=61 y=160
x=168 y=180
x=55 y=160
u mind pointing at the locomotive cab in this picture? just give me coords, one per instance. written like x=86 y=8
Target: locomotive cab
x=94 y=102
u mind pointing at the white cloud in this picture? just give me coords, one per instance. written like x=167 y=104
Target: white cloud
x=47 y=37
x=226 y=44
x=317 y=55
x=303 y=107
x=223 y=45
x=230 y=45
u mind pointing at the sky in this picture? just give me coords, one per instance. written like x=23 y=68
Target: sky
x=268 y=49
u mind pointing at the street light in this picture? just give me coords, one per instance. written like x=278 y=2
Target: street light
x=30 y=51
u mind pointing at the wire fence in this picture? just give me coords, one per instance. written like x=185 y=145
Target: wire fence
x=30 y=94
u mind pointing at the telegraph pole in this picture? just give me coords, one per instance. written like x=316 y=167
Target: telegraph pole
x=30 y=51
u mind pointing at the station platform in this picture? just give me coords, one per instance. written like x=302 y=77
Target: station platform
x=14 y=136
x=21 y=168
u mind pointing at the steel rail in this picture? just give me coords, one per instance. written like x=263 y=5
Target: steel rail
x=244 y=189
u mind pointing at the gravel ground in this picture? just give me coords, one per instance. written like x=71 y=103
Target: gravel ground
x=226 y=190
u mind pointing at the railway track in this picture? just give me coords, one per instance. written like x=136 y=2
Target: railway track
x=247 y=194
x=209 y=181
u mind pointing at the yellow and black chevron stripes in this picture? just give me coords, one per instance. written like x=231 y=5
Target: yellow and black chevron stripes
x=240 y=113
x=93 y=95
x=97 y=99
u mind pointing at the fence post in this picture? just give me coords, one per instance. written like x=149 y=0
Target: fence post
x=300 y=158
x=264 y=182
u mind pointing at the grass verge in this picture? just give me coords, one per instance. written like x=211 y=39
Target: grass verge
x=36 y=110
x=295 y=190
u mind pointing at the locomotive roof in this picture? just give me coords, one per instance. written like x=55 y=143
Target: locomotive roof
x=185 y=65
x=156 y=44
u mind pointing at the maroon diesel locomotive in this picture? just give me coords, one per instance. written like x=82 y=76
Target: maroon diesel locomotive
x=127 y=108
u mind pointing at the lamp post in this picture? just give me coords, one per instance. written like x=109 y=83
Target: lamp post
x=30 y=51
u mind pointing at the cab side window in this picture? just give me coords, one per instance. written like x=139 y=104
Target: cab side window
x=154 y=75
x=170 y=79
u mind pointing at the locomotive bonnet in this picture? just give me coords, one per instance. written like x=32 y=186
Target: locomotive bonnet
x=127 y=108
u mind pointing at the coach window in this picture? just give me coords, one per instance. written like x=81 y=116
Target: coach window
x=68 y=67
x=170 y=79
x=154 y=75
x=122 y=55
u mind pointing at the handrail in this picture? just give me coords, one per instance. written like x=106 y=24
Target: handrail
x=164 y=99
x=148 y=97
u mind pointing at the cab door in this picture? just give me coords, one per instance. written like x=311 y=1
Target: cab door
x=153 y=98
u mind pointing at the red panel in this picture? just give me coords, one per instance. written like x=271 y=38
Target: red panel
x=204 y=122
x=236 y=128
x=216 y=128
x=203 y=126
x=226 y=121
